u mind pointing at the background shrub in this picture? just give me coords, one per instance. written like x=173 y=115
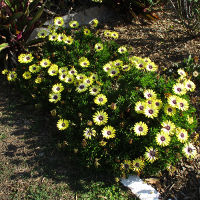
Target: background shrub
x=114 y=110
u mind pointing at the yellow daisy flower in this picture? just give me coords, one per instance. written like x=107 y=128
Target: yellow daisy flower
x=151 y=111
x=68 y=40
x=168 y=127
x=182 y=104
x=163 y=139
x=100 y=99
x=137 y=164
x=169 y=110
x=140 y=64
x=126 y=68
x=58 y=21
x=25 y=58
x=182 y=135
x=42 y=33
x=149 y=102
x=88 y=81
x=61 y=37
x=172 y=100
x=140 y=106
x=107 y=33
x=113 y=72
x=100 y=118
x=81 y=77
x=69 y=79
x=72 y=71
x=189 y=85
x=53 y=70
x=63 y=70
x=57 y=88
x=157 y=103
x=62 y=76
x=102 y=143
x=45 y=63
x=151 y=67
x=108 y=132
x=135 y=59
x=114 y=35
x=107 y=67
x=181 y=72
x=53 y=37
x=189 y=150
x=54 y=97
x=149 y=94
x=4 y=72
x=38 y=80
x=34 y=68
x=94 y=90
x=140 y=128
x=84 y=62
x=73 y=24
x=126 y=166
x=190 y=119
x=151 y=154
x=11 y=76
x=98 y=47
x=94 y=76
x=147 y=60
x=122 y=49
x=93 y=23
x=26 y=75
x=179 y=89
x=89 y=132
x=117 y=63
x=86 y=31
x=82 y=87
x=62 y=124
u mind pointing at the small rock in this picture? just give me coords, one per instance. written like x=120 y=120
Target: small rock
x=102 y=13
x=140 y=188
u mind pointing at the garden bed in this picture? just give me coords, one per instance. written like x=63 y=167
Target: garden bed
x=165 y=43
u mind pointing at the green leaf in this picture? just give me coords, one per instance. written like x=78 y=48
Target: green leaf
x=15 y=16
x=33 y=5
x=9 y=4
x=37 y=16
x=3 y=46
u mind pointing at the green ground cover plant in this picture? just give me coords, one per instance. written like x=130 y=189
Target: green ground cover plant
x=115 y=110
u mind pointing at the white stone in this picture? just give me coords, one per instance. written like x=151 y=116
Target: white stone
x=140 y=188
x=102 y=13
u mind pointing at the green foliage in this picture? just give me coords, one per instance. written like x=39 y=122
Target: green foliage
x=3 y=46
x=17 y=21
x=190 y=65
x=100 y=191
x=116 y=111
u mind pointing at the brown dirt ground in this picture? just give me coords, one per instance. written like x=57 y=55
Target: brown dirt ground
x=165 y=42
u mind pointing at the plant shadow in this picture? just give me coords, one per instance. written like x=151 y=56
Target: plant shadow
x=32 y=147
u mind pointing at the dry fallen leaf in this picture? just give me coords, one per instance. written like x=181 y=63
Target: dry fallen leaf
x=156 y=182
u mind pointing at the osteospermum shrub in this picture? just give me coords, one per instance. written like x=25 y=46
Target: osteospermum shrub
x=113 y=109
